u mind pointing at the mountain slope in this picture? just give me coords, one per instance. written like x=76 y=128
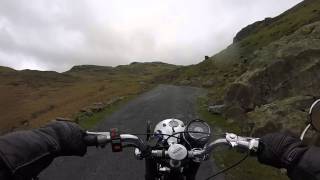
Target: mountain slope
x=273 y=61
x=252 y=38
x=266 y=81
x=31 y=98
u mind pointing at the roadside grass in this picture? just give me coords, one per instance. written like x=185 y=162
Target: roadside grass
x=250 y=169
x=31 y=99
x=90 y=121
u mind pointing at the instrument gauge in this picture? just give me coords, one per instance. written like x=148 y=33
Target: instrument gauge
x=197 y=132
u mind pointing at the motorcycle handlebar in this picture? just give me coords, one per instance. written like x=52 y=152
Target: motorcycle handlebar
x=97 y=138
x=103 y=138
x=128 y=140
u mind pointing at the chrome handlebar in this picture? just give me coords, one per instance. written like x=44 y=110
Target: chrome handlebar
x=103 y=138
x=232 y=140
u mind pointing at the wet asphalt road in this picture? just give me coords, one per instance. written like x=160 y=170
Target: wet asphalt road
x=163 y=102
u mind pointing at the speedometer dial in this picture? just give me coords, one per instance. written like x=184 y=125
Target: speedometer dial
x=197 y=132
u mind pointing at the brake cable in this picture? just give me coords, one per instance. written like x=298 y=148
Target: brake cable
x=137 y=134
x=173 y=135
x=230 y=167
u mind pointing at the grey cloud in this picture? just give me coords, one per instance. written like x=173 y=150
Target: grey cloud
x=57 y=34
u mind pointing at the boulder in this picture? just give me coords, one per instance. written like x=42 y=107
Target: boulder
x=63 y=119
x=216 y=109
x=114 y=100
x=86 y=111
x=208 y=83
x=97 y=107
x=289 y=114
x=234 y=113
x=185 y=82
x=25 y=123
x=240 y=94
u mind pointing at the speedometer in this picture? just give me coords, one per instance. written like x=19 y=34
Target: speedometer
x=198 y=130
x=197 y=133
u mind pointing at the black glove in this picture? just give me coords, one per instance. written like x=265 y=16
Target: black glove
x=27 y=153
x=69 y=136
x=280 y=150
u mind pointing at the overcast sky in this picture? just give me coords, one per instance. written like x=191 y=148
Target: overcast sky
x=57 y=34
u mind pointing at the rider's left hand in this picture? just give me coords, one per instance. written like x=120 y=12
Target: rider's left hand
x=26 y=153
x=68 y=136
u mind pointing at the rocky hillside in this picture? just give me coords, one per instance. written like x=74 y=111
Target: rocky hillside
x=133 y=69
x=269 y=75
x=30 y=98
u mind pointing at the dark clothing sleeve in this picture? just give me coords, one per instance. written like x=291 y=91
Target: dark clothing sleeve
x=308 y=167
x=25 y=154
x=4 y=171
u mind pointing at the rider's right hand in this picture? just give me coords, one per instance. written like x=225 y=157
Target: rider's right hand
x=280 y=150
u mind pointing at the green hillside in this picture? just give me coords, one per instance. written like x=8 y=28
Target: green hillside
x=227 y=65
x=268 y=77
x=219 y=71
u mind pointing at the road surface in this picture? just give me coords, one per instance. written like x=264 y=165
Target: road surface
x=163 y=102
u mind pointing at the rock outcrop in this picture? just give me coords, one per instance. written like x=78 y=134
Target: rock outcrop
x=282 y=71
x=217 y=109
x=252 y=28
x=289 y=114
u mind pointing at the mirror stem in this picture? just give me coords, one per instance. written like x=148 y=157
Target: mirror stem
x=304 y=132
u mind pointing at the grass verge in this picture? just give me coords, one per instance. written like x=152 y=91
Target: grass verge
x=89 y=122
x=250 y=169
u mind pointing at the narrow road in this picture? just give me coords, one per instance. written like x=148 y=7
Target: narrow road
x=163 y=102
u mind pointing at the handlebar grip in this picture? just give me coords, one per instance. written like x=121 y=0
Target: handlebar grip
x=91 y=140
